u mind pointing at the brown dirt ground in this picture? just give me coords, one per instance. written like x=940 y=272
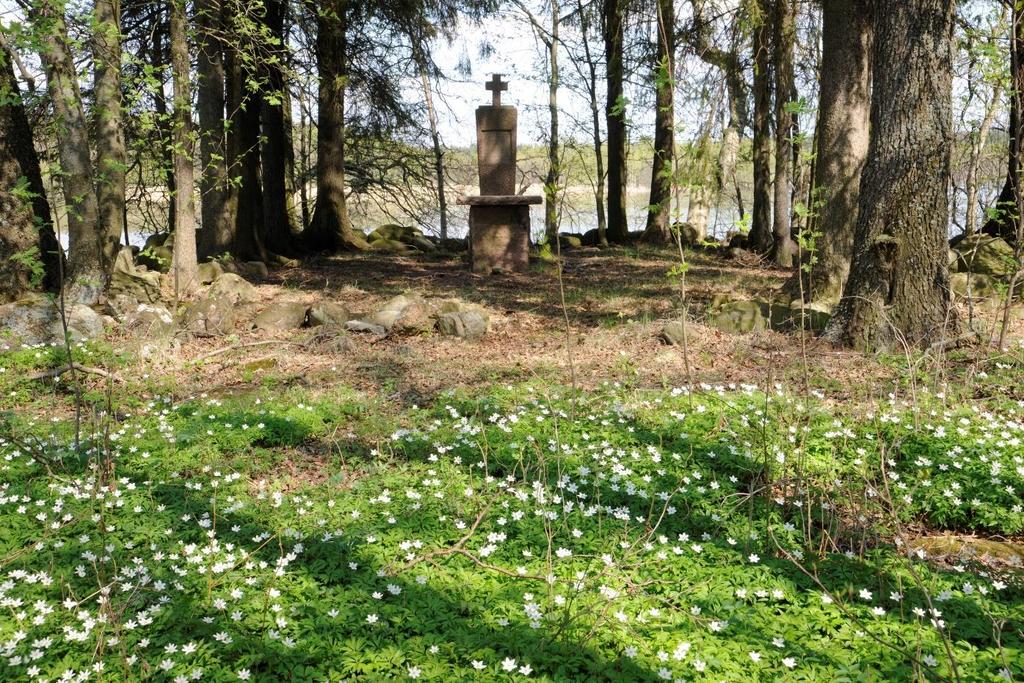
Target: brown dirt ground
x=616 y=302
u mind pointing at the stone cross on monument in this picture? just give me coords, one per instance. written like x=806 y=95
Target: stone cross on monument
x=499 y=219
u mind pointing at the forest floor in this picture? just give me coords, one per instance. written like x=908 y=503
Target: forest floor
x=600 y=321
x=566 y=499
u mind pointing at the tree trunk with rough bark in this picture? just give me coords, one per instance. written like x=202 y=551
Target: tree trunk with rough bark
x=279 y=226
x=331 y=228
x=184 y=265
x=783 y=247
x=595 y=115
x=657 y=229
x=244 y=162
x=898 y=289
x=88 y=245
x=554 y=173
x=1005 y=221
x=29 y=253
x=844 y=116
x=760 y=238
x=218 y=220
x=615 y=113
x=15 y=140
x=111 y=154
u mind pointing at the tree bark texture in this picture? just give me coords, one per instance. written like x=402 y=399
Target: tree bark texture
x=88 y=245
x=784 y=38
x=760 y=238
x=29 y=251
x=184 y=265
x=898 y=289
x=660 y=204
x=331 y=228
x=615 y=115
x=216 y=234
x=111 y=154
x=844 y=116
x=280 y=225
x=554 y=173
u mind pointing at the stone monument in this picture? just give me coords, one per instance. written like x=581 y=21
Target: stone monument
x=499 y=219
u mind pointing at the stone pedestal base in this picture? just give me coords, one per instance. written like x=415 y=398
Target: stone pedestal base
x=499 y=232
x=499 y=238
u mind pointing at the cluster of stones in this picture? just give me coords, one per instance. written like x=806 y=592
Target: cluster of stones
x=135 y=306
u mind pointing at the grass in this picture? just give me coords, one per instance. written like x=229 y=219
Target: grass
x=519 y=531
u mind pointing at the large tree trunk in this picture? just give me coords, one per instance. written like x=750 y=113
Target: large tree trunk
x=279 y=225
x=615 y=113
x=785 y=118
x=1005 y=221
x=842 y=144
x=595 y=115
x=898 y=288
x=244 y=161
x=88 y=245
x=760 y=239
x=29 y=252
x=111 y=155
x=331 y=228
x=185 y=269
x=218 y=220
x=658 y=215
x=554 y=173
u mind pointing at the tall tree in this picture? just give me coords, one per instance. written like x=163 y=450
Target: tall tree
x=587 y=69
x=89 y=247
x=554 y=174
x=280 y=223
x=243 y=142
x=186 y=274
x=331 y=228
x=898 y=287
x=218 y=198
x=111 y=155
x=615 y=113
x=760 y=238
x=660 y=205
x=844 y=115
x=785 y=121
x=29 y=252
x=1006 y=222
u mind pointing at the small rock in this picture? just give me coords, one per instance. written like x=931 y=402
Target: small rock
x=569 y=241
x=129 y=282
x=392 y=311
x=329 y=313
x=985 y=255
x=465 y=325
x=363 y=326
x=83 y=323
x=738 y=317
x=151 y=322
x=29 y=320
x=673 y=333
x=209 y=271
x=212 y=316
x=253 y=270
x=233 y=288
x=282 y=316
x=979 y=286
